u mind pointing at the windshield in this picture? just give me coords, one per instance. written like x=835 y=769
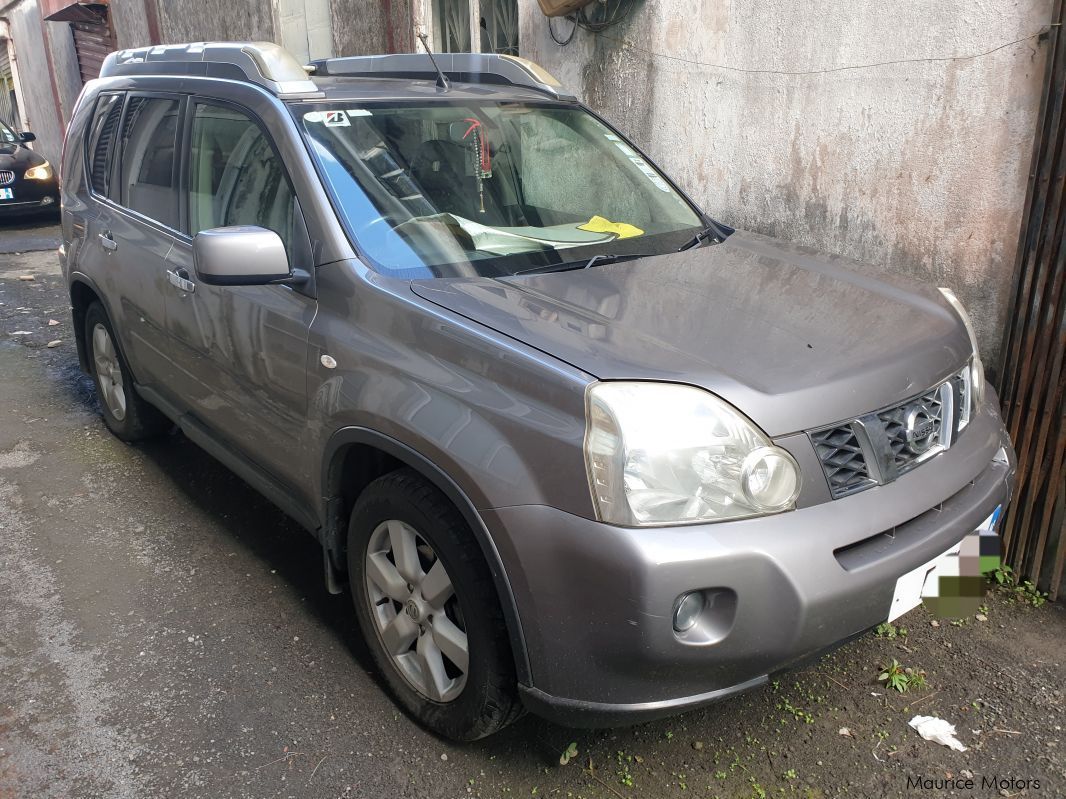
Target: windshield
x=446 y=189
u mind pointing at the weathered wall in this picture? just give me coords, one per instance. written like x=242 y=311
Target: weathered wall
x=917 y=168
x=130 y=24
x=215 y=20
x=310 y=28
x=367 y=27
x=41 y=88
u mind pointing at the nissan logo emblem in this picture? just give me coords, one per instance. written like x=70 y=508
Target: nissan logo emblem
x=920 y=428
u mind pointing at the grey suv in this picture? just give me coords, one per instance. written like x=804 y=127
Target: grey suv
x=573 y=445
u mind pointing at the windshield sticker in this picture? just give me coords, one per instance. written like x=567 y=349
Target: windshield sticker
x=642 y=165
x=358 y=112
x=337 y=119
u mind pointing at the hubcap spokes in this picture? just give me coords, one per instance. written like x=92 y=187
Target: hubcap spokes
x=108 y=373
x=413 y=605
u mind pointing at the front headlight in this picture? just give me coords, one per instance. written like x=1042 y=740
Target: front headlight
x=975 y=377
x=663 y=453
x=39 y=172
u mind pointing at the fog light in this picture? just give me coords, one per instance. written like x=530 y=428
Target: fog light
x=688 y=610
x=47 y=201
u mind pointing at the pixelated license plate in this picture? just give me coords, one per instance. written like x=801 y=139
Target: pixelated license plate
x=923 y=581
x=7 y=194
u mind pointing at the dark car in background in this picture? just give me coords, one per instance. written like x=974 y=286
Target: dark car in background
x=28 y=183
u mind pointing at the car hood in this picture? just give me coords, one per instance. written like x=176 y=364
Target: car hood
x=793 y=338
x=15 y=156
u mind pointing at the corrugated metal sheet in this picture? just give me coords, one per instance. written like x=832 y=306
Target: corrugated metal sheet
x=8 y=112
x=1033 y=387
x=93 y=40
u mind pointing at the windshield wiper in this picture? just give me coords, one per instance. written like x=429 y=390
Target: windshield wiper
x=713 y=232
x=595 y=260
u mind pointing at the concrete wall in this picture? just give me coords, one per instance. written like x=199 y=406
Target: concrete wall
x=366 y=27
x=130 y=24
x=918 y=168
x=48 y=95
x=205 y=20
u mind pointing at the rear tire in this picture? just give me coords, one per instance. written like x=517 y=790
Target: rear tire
x=127 y=415
x=419 y=582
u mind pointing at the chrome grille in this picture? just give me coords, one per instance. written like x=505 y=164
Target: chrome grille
x=877 y=448
x=6 y=177
x=894 y=420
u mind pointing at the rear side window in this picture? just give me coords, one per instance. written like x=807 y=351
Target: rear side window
x=149 y=136
x=102 y=134
x=235 y=177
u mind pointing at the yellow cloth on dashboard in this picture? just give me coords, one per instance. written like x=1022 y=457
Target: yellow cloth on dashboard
x=600 y=225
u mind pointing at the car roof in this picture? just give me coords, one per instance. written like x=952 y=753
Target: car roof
x=342 y=88
x=463 y=76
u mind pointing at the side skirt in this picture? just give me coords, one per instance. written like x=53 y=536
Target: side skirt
x=258 y=478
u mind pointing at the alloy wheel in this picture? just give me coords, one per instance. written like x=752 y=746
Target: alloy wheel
x=108 y=373
x=416 y=611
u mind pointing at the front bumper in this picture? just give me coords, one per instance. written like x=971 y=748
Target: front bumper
x=31 y=197
x=596 y=602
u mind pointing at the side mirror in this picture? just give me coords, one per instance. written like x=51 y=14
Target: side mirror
x=244 y=255
x=27 y=137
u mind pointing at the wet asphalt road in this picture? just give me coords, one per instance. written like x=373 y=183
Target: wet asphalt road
x=164 y=631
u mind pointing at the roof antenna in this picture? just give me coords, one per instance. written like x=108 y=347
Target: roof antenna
x=442 y=82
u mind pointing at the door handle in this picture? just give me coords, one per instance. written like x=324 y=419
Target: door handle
x=180 y=278
x=107 y=242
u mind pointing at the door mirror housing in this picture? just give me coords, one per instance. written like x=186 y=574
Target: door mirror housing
x=243 y=255
x=27 y=137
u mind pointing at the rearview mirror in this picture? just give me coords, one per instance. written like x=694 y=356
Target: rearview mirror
x=243 y=255
x=27 y=137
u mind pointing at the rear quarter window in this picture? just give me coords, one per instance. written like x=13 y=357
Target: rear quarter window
x=103 y=132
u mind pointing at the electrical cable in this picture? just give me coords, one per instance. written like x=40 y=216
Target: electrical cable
x=568 y=39
x=612 y=14
x=610 y=19
x=751 y=71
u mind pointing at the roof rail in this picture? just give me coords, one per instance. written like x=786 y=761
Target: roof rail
x=262 y=63
x=459 y=67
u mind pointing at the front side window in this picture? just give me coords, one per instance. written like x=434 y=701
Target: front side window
x=465 y=188
x=7 y=135
x=235 y=177
x=102 y=134
x=149 y=135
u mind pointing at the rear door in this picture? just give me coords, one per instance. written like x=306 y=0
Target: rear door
x=115 y=263
x=239 y=352
x=143 y=226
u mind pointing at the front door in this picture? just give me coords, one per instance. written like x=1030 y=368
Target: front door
x=239 y=352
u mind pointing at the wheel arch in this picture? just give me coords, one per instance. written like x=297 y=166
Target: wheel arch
x=82 y=295
x=354 y=457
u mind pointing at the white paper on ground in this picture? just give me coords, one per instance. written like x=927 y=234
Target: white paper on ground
x=937 y=730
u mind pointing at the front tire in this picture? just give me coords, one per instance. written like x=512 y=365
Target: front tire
x=127 y=415
x=428 y=609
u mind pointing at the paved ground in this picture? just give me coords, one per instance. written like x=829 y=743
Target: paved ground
x=164 y=632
